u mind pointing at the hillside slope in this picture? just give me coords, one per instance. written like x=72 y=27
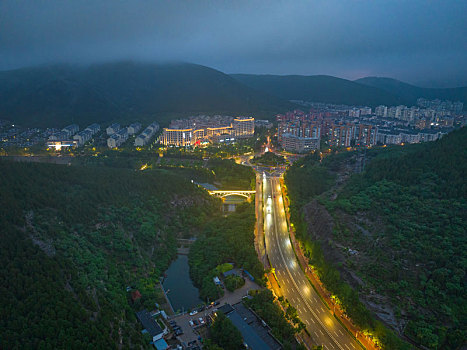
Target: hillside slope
x=409 y=93
x=125 y=91
x=73 y=238
x=318 y=88
x=395 y=232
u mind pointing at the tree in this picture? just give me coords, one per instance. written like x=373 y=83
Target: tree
x=225 y=334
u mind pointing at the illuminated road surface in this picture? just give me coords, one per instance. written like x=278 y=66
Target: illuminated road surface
x=323 y=327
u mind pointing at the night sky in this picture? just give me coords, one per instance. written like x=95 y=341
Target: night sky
x=418 y=41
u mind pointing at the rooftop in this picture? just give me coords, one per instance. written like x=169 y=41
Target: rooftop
x=149 y=323
x=254 y=333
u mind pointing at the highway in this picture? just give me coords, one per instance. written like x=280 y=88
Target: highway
x=323 y=327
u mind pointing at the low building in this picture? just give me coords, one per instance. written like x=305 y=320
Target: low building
x=232 y=272
x=134 y=128
x=410 y=137
x=118 y=138
x=59 y=144
x=263 y=123
x=112 y=141
x=93 y=128
x=224 y=138
x=296 y=144
x=150 y=325
x=145 y=137
x=83 y=136
x=112 y=129
x=70 y=130
x=57 y=136
x=429 y=135
x=255 y=332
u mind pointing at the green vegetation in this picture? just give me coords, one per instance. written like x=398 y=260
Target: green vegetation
x=125 y=92
x=318 y=88
x=231 y=175
x=224 y=239
x=223 y=173
x=122 y=158
x=269 y=159
x=233 y=282
x=405 y=216
x=262 y=302
x=411 y=93
x=225 y=334
x=73 y=239
x=370 y=91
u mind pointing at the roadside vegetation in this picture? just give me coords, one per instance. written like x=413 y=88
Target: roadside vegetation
x=224 y=239
x=399 y=226
x=224 y=334
x=262 y=302
x=74 y=238
x=269 y=159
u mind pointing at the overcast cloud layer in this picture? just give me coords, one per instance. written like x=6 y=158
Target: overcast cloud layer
x=418 y=41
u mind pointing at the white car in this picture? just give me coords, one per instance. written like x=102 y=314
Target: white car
x=194 y=312
x=201 y=320
x=191 y=323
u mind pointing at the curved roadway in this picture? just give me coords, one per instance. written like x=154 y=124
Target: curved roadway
x=323 y=327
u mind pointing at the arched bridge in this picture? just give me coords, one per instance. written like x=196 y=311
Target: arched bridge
x=226 y=193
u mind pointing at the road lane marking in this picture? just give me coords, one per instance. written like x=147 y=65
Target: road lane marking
x=296 y=286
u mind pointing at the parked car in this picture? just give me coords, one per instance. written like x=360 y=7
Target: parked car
x=194 y=312
x=201 y=320
x=172 y=323
x=216 y=303
x=195 y=321
x=191 y=323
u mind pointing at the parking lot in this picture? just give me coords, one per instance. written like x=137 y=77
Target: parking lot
x=191 y=332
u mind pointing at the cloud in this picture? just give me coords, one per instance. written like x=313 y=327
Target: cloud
x=403 y=39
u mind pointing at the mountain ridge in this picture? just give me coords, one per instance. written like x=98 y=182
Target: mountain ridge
x=124 y=91
x=412 y=92
x=370 y=91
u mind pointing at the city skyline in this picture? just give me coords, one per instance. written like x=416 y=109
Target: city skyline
x=401 y=40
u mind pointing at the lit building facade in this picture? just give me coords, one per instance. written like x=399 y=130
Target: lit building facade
x=205 y=130
x=340 y=135
x=243 y=127
x=366 y=135
x=181 y=137
x=297 y=144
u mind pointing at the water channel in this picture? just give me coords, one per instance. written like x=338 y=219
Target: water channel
x=183 y=295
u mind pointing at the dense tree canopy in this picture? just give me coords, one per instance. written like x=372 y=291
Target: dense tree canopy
x=225 y=239
x=73 y=239
x=405 y=215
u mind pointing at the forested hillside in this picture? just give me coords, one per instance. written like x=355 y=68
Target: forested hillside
x=395 y=232
x=54 y=96
x=319 y=88
x=73 y=238
x=225 y=240
x=370 y=91
x=410 y=93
